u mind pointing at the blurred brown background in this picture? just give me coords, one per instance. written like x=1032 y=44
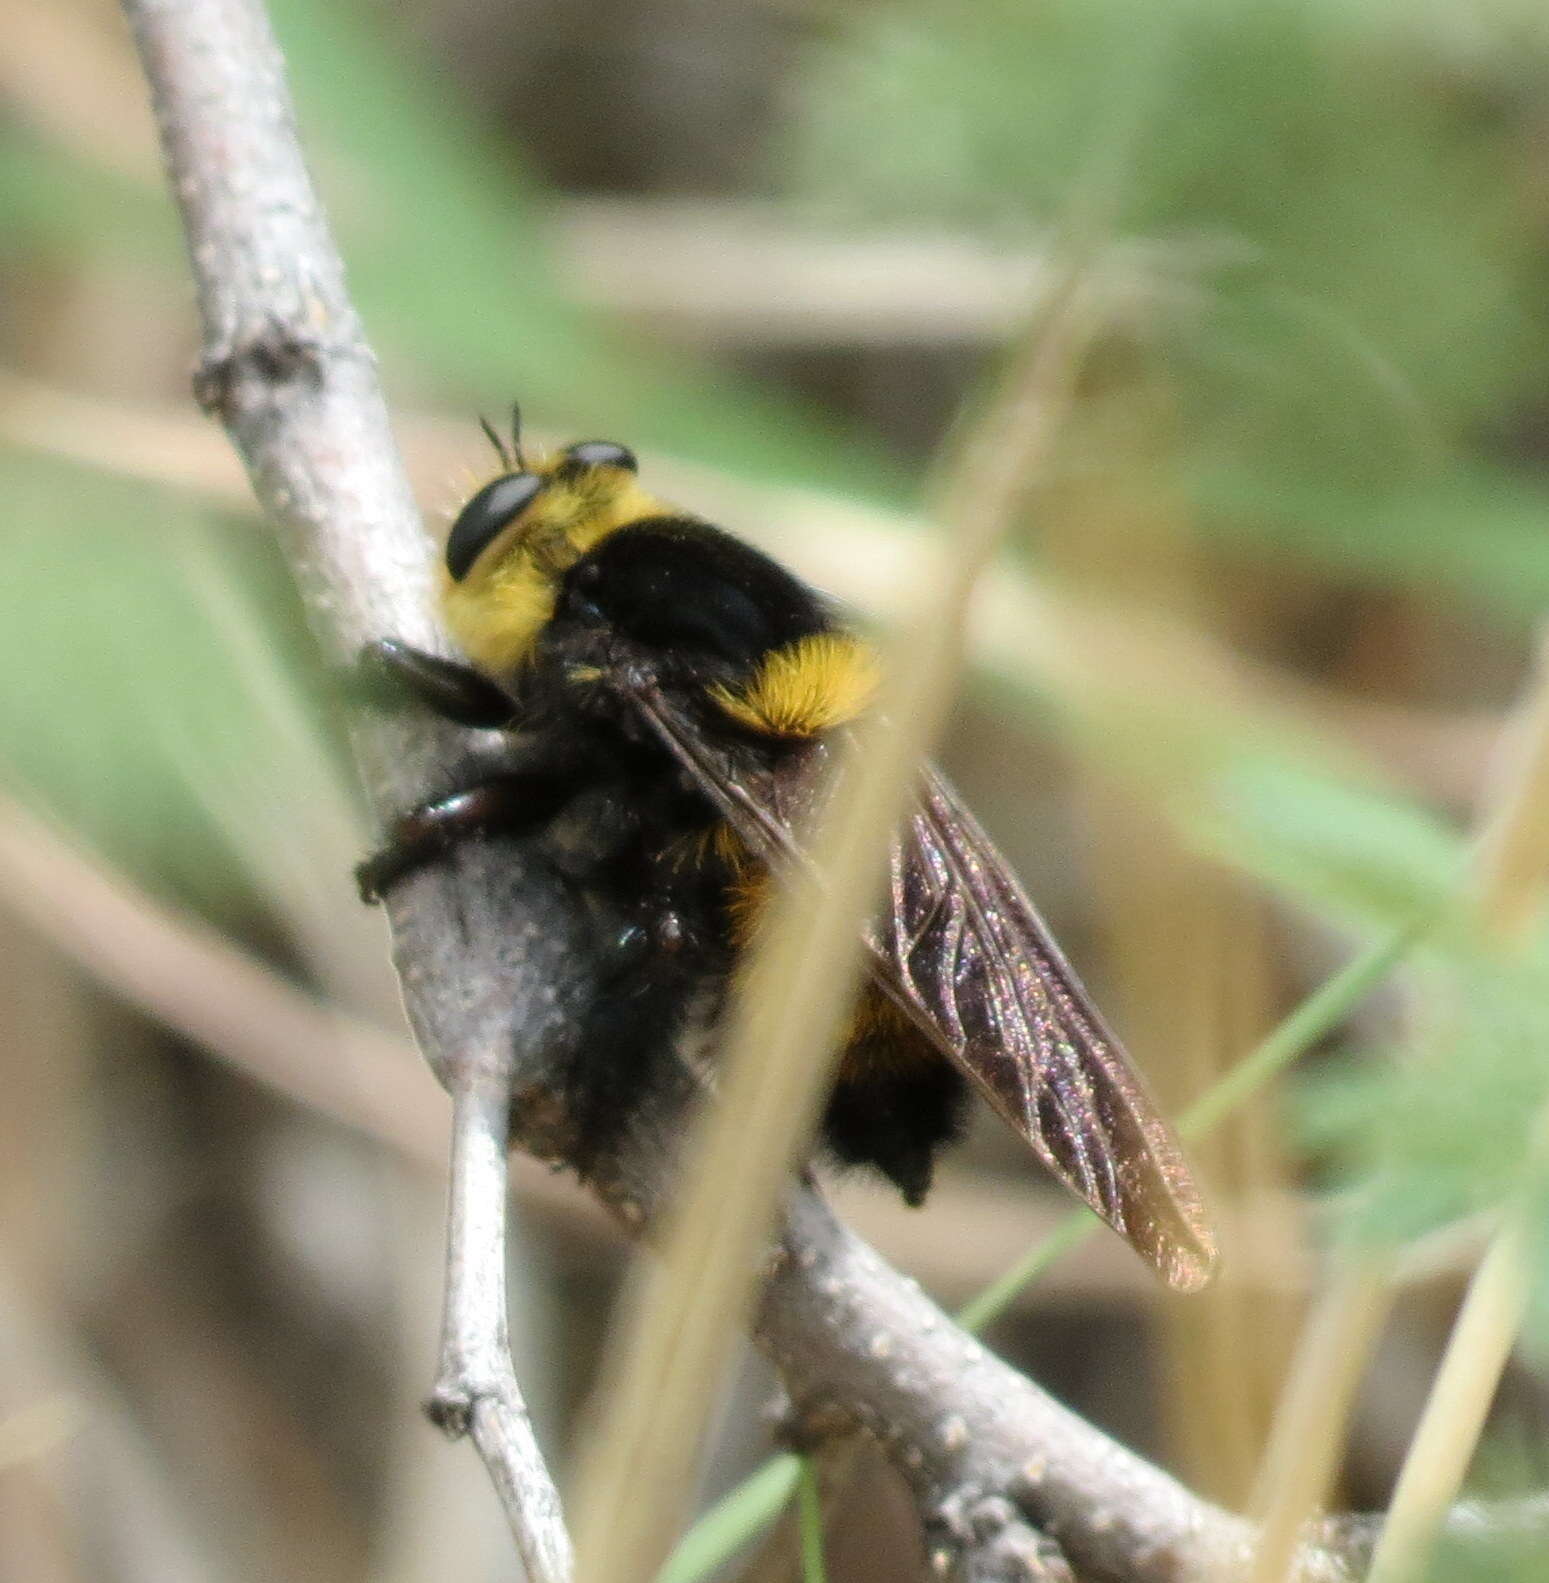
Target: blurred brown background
x=1236 y=688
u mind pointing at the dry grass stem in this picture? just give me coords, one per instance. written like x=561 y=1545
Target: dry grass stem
x=666 y=1370
x=1459 y=1402
x=196 y=981
x=1511 y=858
x=1511 y=862
x=1308 y=1430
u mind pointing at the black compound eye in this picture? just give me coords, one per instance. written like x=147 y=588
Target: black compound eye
x=602 y=453
x=495 y=507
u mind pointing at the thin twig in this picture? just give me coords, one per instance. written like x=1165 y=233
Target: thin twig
x=476 y=1390
x=983 y=1446
x=285 y=367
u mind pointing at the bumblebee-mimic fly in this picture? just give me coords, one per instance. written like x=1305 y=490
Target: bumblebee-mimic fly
x=672 y=694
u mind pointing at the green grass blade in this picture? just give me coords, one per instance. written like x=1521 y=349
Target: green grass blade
x=734 y=1519
x=809 y=1517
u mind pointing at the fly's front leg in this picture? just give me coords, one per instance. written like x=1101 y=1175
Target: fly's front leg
x=510 y=805
x=533 y=780
x=514 y=803
x=391 y=673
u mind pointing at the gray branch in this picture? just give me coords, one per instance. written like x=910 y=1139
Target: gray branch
x=285 y=367
x=498 y=961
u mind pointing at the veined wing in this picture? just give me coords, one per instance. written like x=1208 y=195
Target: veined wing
x=970 y=953
x=963 y=953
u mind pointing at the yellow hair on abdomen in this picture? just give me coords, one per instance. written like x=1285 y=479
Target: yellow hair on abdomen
x=497 y=611
x=805 y=688
x=879 y=1037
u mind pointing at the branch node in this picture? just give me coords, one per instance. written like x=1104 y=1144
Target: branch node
x=455 y=1399
x=451 y=1411
x=275 y=355
x=979 y=1538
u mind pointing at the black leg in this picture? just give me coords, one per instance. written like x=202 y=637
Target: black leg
x=510 y=805
x=391 y=672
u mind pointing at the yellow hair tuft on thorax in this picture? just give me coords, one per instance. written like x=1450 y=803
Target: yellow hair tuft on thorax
x=805 y=688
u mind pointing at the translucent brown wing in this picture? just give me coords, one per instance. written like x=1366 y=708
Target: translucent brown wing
x=969 y=950
x=963 y=953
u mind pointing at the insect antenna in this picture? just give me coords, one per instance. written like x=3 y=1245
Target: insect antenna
x=516 y=434
x=500 y=446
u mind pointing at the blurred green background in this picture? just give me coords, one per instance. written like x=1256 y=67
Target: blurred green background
x=1237 y=698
